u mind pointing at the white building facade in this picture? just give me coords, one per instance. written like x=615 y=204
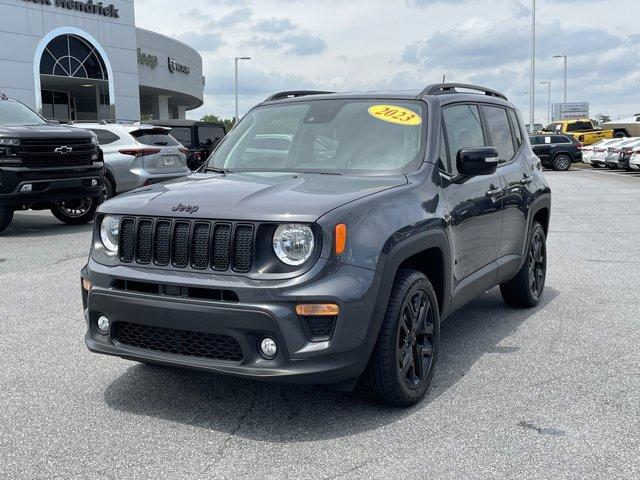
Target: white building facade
x=86 y=61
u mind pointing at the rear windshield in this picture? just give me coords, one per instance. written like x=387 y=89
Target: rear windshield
x=159 y=138
x=14 y=114
x=361 y=137
x=182 y=134
x=210 y=136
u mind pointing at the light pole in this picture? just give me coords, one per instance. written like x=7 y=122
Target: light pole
x=236 y=84
x=565 y=74
x=548 y=84
x=532 y=89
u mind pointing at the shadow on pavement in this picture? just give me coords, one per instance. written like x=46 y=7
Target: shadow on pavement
x=40 y=224
x=282 y=413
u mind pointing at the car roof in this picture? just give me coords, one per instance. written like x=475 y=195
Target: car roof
x=444 y=93
x=184 y=123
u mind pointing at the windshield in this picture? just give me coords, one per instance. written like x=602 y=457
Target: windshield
x=15 y=114
x=360 y=137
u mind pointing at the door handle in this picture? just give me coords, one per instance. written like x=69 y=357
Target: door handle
x=494 y=192
x=526 y=180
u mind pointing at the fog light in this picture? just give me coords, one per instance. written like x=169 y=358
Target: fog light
x=94 y=182
x=27 y=187
x=103 y=325
x=268 y=348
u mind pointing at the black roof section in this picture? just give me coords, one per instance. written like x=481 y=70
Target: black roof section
x=295 y=94
x=433 y=89
x=181 y=123
x=442 y=88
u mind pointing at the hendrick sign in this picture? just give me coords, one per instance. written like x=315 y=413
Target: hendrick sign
x=95 y=8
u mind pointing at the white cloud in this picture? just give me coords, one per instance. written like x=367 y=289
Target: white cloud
x=401 y=44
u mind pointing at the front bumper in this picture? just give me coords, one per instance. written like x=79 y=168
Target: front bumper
x=49 y=185
x=263 y=309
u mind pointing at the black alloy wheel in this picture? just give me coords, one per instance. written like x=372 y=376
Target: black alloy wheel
x=415 y=339
x=537 y=264
x=403 y=360
x=526 y=288
x=77 y=211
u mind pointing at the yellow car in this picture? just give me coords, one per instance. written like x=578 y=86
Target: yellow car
x=583 y=130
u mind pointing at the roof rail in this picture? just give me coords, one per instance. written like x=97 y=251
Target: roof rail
x=439 y=88
x=295 y=94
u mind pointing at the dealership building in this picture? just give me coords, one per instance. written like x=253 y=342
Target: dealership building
x=86 y=61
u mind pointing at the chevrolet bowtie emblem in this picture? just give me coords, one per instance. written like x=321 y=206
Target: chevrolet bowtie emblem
x=63 y=150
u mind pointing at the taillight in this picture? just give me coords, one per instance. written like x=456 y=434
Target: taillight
x=139 y=152
x=184 y=151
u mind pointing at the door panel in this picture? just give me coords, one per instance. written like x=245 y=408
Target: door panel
x=516 y=200
x=475 y=219
x=474 y=204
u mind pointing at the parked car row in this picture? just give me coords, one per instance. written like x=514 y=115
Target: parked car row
x=616 y=153
x=70 y=169
x=556 y=151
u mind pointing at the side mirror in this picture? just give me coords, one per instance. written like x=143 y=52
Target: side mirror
x=474 y=161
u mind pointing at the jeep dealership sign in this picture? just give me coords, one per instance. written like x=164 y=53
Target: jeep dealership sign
x=570 y=111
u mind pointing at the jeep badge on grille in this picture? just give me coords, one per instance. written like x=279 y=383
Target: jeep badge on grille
x=186 y=208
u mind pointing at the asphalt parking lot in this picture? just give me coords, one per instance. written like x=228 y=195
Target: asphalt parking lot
x=546 y=393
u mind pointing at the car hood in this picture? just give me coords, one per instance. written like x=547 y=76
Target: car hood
x=249 y=196
x=44 y=131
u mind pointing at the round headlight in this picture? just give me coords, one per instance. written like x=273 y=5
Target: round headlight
x=109 y=231
x=293 y=243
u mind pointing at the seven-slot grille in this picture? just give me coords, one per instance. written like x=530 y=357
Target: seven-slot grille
x=198 y=244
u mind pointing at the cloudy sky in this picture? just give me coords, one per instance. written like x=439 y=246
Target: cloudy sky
x=354 y=45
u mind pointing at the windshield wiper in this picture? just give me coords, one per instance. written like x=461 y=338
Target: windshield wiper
x=217 y=170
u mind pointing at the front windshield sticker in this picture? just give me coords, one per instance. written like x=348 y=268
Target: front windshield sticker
x=395 y=114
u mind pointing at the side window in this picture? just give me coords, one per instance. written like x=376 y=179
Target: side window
x=500 y=132
x=444 y=162
x=105 y=137
x=464 y=128
x=517 y=130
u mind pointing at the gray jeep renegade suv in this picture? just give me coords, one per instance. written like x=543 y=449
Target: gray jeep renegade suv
x=325 y=240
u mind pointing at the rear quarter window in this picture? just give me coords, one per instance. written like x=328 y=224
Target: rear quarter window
x=210 y=135
x=105 y=137
x=154 y=138
x=500 y=131
x=182 y=134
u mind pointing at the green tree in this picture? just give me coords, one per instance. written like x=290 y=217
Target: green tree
x=228 y=122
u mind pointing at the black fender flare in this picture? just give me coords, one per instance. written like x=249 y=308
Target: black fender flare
x=393 y=254
x=543 y=201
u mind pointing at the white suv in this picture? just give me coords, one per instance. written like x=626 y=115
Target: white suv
x=136 y=155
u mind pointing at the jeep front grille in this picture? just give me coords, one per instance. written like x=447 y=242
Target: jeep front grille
x=196 y=244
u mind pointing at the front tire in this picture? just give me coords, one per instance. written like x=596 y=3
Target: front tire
x=561 y=163
x=403 y=361
x=526 y=288
x=76 y=212
x=6 y=216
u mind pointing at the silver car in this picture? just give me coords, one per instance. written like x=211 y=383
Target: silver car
x=136 y=155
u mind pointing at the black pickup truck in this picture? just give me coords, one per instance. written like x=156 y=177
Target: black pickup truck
x=44 y=165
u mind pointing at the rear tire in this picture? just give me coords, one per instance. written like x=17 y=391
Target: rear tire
x=109 y=189
x=76 y=212
x=6 y=216
x=561 y=163
x=403 y=361
x=526 y=288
